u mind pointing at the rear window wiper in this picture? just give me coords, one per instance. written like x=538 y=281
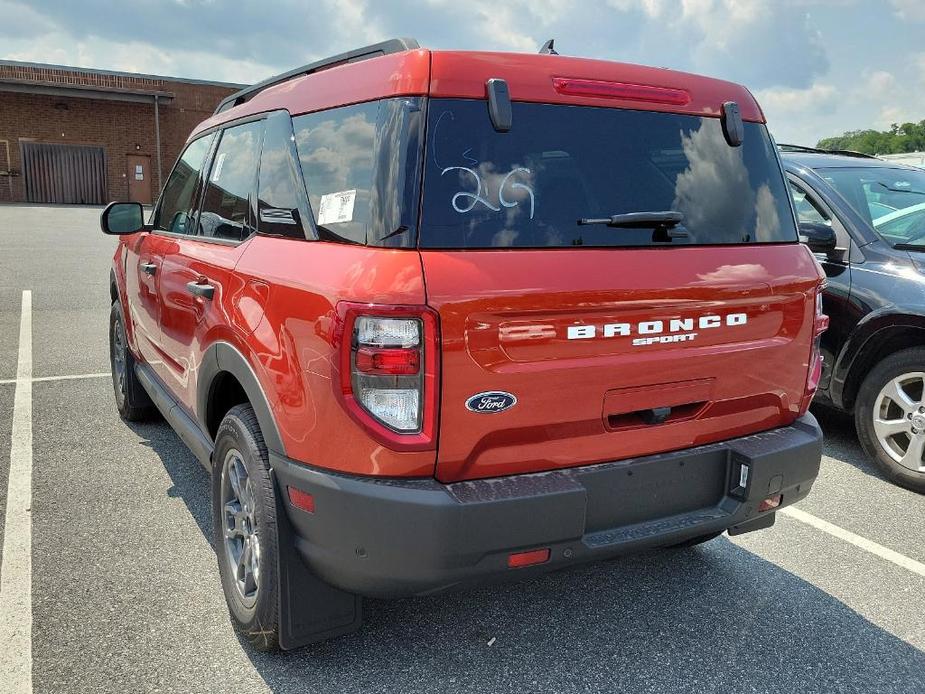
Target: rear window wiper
x=663 y=222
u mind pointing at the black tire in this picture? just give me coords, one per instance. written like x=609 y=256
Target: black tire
x=907 y=361
x=132 y=400
x=694 y=541
x=239 y=435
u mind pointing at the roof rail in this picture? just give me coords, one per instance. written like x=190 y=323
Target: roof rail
x=356 y=55
x=797 y=148
x=815 y=150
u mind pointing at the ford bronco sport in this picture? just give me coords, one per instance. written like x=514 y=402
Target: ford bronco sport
x=432 y=317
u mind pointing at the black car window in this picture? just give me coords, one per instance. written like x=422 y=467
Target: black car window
x=808 y=210
x=174 y=210
x=528 y=188
x=279 y=200
x=232 y=178
x=891 y=199
x=337 y=155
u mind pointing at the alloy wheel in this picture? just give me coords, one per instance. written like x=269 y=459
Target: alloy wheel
x=118 y=355
x=899 y=420
x=239 y=525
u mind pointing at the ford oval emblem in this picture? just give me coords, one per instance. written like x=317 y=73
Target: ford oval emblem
x=491 y=401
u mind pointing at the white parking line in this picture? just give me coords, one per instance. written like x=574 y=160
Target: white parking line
x=878 y=550
x=68 y=377
x=16 y=567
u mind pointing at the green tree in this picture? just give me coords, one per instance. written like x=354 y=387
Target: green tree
x=905 y=137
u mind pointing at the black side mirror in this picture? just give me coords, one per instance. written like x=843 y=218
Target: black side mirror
x=819 y=237
x=122 y=218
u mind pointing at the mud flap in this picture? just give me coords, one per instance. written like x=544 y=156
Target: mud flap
x=761 y=523
x=310 y=610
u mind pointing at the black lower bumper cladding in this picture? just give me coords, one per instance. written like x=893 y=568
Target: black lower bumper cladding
x=391 y=537
x=403 y=537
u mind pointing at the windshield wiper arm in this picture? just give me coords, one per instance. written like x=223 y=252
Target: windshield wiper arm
x=909 y=246
x=662 y=223
x=638 y=220
x=899 y=190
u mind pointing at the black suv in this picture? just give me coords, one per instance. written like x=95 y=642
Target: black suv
x=865 y=220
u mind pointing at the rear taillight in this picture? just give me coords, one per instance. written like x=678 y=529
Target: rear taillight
x=389 y=371
x=814 y=375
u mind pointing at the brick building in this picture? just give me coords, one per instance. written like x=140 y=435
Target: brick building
x=75 y=135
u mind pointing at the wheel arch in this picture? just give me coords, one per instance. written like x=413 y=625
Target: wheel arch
x=879 y=335
x=117 y=294
x=113 y=287
x=224 y=376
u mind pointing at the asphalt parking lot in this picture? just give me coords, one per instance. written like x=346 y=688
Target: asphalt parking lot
x=125 y=593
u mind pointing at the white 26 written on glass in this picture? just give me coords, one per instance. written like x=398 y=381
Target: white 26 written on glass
x=477 y=198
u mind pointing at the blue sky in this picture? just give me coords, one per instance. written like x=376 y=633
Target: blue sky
x=818 y=67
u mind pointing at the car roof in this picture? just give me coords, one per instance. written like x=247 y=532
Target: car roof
x=463 y=74
x=826 y=160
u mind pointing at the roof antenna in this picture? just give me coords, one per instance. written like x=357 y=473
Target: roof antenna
x=549 y=48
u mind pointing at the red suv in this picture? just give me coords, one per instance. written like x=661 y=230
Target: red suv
x=432 y=317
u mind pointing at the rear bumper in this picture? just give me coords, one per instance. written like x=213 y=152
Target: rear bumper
x=388 y=537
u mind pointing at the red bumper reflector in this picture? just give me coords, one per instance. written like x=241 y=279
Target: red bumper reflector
x=520 y=559
x=621 y=90
x=769 y=503
x=388 y=362
x=302 y=500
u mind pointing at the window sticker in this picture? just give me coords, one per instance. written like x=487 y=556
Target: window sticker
x=217 y=169
x=336 y=207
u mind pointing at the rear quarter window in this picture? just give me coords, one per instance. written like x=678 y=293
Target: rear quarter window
x=281 y=202
x=337 y=155
x=529 y=187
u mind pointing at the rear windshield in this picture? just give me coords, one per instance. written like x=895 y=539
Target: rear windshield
x=527 y=188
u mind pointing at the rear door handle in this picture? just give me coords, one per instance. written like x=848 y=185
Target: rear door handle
x=149 y=268
x=204 y=290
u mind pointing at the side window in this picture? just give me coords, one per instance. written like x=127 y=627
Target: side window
x=280 y=204
x=337 y=154
x=230 y=186
x=175 y=209
x=808 y=210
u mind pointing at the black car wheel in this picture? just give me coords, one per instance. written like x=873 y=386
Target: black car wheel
x=132 y=401
x=245 y=534
x=890 y=417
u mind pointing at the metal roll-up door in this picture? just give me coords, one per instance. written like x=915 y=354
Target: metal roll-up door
x=64 y=173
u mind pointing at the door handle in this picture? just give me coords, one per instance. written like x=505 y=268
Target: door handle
x=204 y=290
x=149 y=268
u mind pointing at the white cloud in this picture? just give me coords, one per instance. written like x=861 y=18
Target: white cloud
x=910 y=10
x=818 y=67
x=918 y=60
x=650 y=8
x=790 y=102
x=134 y=57
x=878 y=84
x=21 y=20
x=519 y=25
x=352 y=20
x=799 y=116
x=761 y=43
x=895 y=113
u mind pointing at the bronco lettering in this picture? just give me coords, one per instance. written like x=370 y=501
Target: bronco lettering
x=656 y=328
